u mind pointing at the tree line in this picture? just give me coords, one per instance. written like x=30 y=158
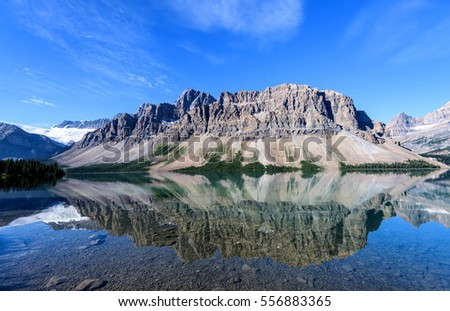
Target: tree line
x=29 y=168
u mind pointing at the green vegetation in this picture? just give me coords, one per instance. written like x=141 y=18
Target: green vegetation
x=159 y=193
x=275 y=169
x=134 y=166
x=254 y=169
x=436 y=141
x=177 y=152
x=443 y=158
x=29 y=168
x=170 y=190
x=442 y=177
x=217 y=166
x=309 y=169
x=163 y=149
x=28 y=174
x=401 y=167
x=137 y=178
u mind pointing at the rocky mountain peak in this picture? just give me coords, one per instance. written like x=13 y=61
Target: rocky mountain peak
x=7 y=129
x=423 y=134
x=190 y=98
x=287 y=109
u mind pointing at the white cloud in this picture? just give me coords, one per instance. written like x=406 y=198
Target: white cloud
x=100 y=37
x=258 y=18
x=38 y=102
x=142 y=79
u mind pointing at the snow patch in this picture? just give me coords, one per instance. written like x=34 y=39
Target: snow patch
x=64 y=135
x=436 y=211
x=58 y=213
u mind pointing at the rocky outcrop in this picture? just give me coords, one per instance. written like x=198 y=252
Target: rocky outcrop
x=16 y=143
x=193 y=99
x=148 y=121
x=430 y=133
x=284 y=110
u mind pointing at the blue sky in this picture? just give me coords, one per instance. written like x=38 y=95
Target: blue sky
x=82 y=60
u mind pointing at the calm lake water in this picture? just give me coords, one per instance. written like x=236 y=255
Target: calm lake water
x=274 y=232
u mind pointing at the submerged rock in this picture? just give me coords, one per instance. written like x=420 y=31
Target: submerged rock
x=55 y=281
x=90 y=284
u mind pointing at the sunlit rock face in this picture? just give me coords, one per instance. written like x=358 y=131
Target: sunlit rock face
x=289 y=112
x=285 y=109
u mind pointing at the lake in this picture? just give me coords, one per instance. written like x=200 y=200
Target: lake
x=272 y=232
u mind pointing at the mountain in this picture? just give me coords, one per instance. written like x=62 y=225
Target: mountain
x=289 y=114
x=93 y=124
x=17 y=143
x=429 y=133
x=297 y=109
x=67 y=132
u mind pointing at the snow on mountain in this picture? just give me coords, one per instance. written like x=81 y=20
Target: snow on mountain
x=18 y=143
x=67 y=132
x=429 y=133
x=92 y=124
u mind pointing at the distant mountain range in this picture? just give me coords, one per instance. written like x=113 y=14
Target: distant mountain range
x=427 y=134
x=287 y=111
x=91 y=125
x=29 y=142
x=17 y=143
x=67 y=132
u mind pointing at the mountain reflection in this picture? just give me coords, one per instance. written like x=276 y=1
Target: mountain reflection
x=284 y=217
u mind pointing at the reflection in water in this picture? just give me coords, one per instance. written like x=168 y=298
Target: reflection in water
x=285 y=217
x=17 y=183
x=278 y=232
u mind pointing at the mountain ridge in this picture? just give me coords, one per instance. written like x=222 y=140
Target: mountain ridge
x=197 y=113
x=66 y=132
x=284 y=112
x=17 y=143
x=425 y=134
x=90 y=124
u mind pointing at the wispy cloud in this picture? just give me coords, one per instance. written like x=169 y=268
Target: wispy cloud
x=100 y=37
x=38 y=102
x=210 y=57
x=271 y=20
x=400 y=31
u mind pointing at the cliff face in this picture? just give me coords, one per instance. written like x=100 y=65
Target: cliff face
x=284 y=110
x=429 y=133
